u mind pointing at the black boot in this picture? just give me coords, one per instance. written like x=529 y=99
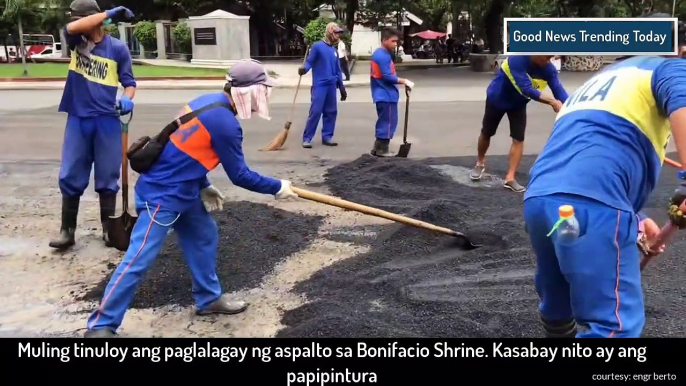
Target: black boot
x=223 y=306
x=376 y=148
x=559 y=328
x=108 y=203
x=70 y=211
x=384 y=149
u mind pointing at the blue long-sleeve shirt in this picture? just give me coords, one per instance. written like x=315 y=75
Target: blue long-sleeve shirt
x=383 y=77
x=195 y=149
x=609 y=139
x=325 y=65
x=93 y=80
x=519 y=81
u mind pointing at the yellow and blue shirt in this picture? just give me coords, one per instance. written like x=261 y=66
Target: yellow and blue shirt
x=196 y=148
x=519 y=81
x=93 y=80
x=608 y=142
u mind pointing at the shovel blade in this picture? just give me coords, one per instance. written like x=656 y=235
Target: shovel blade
x=119 y=230
x=404 y=150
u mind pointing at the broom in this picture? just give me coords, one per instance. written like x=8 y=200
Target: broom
x=281 y=138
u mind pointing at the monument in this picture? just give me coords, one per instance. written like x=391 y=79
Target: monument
x=219 y=38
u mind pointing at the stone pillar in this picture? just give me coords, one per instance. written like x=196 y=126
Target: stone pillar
x=161 y=39
x=219 y=38
x=122 y=31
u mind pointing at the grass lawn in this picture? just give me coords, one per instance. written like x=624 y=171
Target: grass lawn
x=56 y=70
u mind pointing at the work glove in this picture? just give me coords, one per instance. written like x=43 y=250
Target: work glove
x=409 y=84
x=212 y=199
x=344 y=94
x=125 y=105
x=285 y=192
x=302 y=71
x=123 y=12
x=676 y=215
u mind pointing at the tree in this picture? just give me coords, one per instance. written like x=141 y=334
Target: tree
x=434 y=13
x=14 y=10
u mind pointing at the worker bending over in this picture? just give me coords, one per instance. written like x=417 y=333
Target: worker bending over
x=176 y=193
x=519 y=80
x=604 y=157
x=326 y=79
x=92 y=138
x=385 y=93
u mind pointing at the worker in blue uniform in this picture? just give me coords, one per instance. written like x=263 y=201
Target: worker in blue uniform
x=603 y=158
x=326 y=79
x=384 y=85
x=92 y=138
x=176 y=194
x=519 y=80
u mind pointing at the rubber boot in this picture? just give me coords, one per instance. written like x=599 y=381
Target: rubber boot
x=223 y=306
x=108 y=203
x=559 y=329
x=376 y=148
x=384 y=149
x=70 y=211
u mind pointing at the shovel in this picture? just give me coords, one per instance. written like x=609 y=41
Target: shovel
x=119 y=228
x=343 y=204
x=405 y=147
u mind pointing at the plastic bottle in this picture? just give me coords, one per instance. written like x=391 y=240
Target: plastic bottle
x=568 y=230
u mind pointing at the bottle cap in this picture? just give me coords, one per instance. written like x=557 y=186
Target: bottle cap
x=566 y=211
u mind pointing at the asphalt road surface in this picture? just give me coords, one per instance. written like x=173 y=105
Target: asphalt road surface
x=40 y=287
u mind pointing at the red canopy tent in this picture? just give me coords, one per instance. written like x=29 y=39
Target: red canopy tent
x=429 y=35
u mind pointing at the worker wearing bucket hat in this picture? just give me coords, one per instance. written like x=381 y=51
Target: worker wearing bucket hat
x=601 y=164
x=92 y=138
x=175 y=193
x=327 y=77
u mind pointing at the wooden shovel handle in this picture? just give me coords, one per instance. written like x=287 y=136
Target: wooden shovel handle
x=672 y=163
x=337 y=202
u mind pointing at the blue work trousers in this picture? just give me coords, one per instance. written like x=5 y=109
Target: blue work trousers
x=325 y=107
x=197 y=234
x=91 y=143
x=594 y=279
x=387 y=119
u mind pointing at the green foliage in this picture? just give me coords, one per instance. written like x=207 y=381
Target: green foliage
x=112 y=30
x=146 y=34
x=316 y=29
x=182 y=36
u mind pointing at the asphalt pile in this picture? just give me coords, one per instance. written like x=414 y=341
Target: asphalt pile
x=253 y=239
x=415 y=283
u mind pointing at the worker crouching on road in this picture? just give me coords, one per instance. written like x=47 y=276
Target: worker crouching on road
x=604 y=157
x=520 y=79
x=175 y=193
x=92 y=138
x=324 y=62
x=384 y=84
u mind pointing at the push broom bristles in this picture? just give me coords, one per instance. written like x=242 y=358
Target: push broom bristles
x=280 y=139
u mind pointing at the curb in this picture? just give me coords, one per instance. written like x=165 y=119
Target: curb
x=147 y=78
x=429 y=66
x=41 y=86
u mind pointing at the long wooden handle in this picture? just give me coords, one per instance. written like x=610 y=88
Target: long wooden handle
x=337 y=202
x=125 y=170
x=297 y=88
x=672 y=163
